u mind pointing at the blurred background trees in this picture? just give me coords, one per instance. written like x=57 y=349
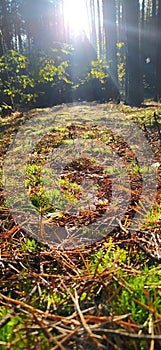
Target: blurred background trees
x=54 y=51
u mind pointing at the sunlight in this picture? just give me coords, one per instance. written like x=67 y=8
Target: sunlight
x=76 y=17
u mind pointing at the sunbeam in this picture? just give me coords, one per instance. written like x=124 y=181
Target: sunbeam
x=76 y=17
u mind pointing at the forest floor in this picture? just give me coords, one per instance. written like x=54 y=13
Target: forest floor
x=80 y=243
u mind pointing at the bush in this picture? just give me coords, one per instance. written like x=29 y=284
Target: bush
x=97 y=85
x=39 y=78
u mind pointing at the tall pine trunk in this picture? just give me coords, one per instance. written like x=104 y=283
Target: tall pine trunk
x=158 y=54
x=6 y=25
x=109 y=17
x=134 y=94
x=92 y=17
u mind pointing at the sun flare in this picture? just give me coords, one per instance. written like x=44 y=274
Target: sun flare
x=76 y=17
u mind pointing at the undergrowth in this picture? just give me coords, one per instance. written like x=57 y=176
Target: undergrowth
x=107 y=295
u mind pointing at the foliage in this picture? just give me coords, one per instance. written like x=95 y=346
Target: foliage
x=44 y=78
x=24 y=77
x=14 y=80
x=36 y=25
x=97 y=84
x=138 y=289
x=121 y=66
x=99 y=70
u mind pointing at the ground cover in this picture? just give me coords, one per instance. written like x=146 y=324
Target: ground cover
x=82 y=289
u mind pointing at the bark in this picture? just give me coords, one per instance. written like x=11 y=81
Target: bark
x=6 y=26
x=99 y=46
x=154 y=6
x=158 y=54
x=109 y=16
x=133 y=63
x=1 y=44
x=92 y=16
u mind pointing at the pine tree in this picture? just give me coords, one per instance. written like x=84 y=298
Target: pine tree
x=134 y=94
x=158 y=54
x=109 y=16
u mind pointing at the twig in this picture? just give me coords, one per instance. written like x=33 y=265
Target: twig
x=121 y=226
x=68 y=336
x=7 y=318
x=151 y=331
x=44 y=329
x=34 y=310
x=128 y=335
x=85 y=325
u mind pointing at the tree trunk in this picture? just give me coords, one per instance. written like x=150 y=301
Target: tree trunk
x=158 y=54
x=133 y=63
x=92 y=16
x=109 y=18
x=154 y=6
x=99 y=41
x=6 y=25
x=1 y=44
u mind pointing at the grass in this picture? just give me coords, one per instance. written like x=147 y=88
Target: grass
x=105 y=295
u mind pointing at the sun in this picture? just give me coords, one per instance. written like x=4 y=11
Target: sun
x=76 y=17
